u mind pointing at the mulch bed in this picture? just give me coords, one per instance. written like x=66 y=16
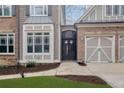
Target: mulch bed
x=39 y=67
x=82 y=64
x=80 y=78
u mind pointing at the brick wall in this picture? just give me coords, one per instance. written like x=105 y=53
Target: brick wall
x=9 y=24
x=82 y=31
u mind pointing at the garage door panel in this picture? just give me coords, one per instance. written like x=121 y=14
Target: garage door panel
x=122 y=42
x=104 y=57
x=90 y=51
x=121 y=45
x=94 y=57
x=106 y=42
x=121 y=52
x=108 y=51
x=92 y=42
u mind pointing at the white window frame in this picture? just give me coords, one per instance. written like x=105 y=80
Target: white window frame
x=106 y=11
x=41 y=29
x=33 y=36
x=113 y=10
x=35 y=12
x=7 y=53
x=121 y=10
x=10 y=9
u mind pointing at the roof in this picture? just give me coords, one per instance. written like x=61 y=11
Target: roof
x=102 y=22
x=85 y=13
x=38 y=20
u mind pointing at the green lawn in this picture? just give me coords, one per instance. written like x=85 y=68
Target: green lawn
x=47 y=82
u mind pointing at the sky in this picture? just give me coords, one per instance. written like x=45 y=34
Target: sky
x=73 y=13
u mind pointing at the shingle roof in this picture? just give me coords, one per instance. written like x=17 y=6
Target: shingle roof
x=38 y=20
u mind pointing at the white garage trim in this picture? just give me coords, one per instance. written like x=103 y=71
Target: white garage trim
x=98 y=50
x=120 y=56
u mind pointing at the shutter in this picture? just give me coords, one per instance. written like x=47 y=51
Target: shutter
x=49 y=10
x=13 y=10
x=27 y=10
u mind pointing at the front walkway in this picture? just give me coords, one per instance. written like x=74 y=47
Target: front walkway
x=72 y=68
x=65 y=68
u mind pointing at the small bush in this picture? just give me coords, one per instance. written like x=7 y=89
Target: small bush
x=31 y=64
x=2 y=67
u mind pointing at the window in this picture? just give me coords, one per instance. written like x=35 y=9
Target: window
x=30 y=42
x=5 y=10
x=39 y=10
x=114 y=10
x=38 y=42
x=108 y=10
x=122 y=9
x=46 y=42
x=6 y=43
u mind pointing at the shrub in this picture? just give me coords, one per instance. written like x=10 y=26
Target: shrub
x=31 y=64
x=2 y=67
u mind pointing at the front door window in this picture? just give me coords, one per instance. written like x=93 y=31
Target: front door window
x=68 y=49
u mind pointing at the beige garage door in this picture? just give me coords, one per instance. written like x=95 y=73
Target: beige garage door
x=121 y=49
x=100 y=49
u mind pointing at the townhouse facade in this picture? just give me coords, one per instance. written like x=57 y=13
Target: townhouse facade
x=38 y=33
x=29 y=33
x=101 y=34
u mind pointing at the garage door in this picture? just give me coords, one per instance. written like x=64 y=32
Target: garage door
x=121 y=49
x=100 y=49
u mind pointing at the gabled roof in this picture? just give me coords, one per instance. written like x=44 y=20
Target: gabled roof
x=86 y=13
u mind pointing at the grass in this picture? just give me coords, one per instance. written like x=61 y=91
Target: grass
x=47 y=82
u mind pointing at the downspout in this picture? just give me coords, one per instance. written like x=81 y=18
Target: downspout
x=18 y=13
x=59 y=29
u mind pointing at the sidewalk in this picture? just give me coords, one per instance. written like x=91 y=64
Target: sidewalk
x=65 y=68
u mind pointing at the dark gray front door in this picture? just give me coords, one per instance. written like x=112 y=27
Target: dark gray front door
x=69 y=46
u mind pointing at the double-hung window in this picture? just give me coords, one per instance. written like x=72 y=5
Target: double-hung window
x=114 y=10
x=30 y=42
x=122 y=9
x=5 y=10
x=6 y=43
x=38 y=42
x=38 y=10
x=108 y=10
x=46 y=42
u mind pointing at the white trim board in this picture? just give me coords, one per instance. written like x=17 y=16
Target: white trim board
x=51 y=53
x=100 y=25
